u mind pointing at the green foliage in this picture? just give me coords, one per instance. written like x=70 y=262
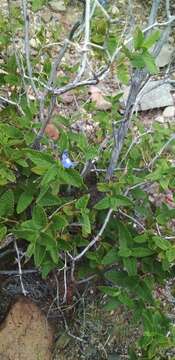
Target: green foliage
x=53 y=210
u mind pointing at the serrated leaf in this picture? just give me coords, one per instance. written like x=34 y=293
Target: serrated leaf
x=50 y=175
x=48 y=200
x=39 y=254
x=111 y=257
x=161 y=243
x=130 y=265
x=24 y=201
x=39 y=217
x=149 y=62
x=86 y=225
x=7 y=203
x=124 y=252
x=123 y=73
x=59 y=222
x=170 y=254
x=82 y=202
x=151 y=39
x=125 y=237
x=141 y=238
x=105 y=203
x=111 y=291
x=70 y=177
x=138 y=38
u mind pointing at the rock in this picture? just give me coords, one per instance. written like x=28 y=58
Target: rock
x=46 y=16
x=164 y=56
x=25 y=333
x=98 y=98
x=169 y=113
x=156 y=95
x=67 y=98
x=160 y=119
x=57 y=6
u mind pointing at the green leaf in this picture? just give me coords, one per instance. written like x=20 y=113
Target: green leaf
x=59 y=222
x=161 y=243
x=111 y=257
x=138 y=39
x=40 y=159
x=124 y=252
x=149 y=62
x=125 y=237
x=48 y=200
x=86 y=225
x=70 y=177
x=130 y=265
x=123 y=73
x=113 y=202
x=3 y=232
x=137 y=61
x=111 y=291
x=7 y=203
x=37 y=4
x=39 y=254
x=82 y=202
x=125 y=300
x=104 y=203
x=50 y=175
x=151 y=39
x=39 y=217
x=141 y=238
x=142 y=252
x=170 y=254
x=24 y=201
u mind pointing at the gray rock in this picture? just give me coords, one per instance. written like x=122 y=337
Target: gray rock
x=156 y=95
x=57 y=6
x=164 y=56
x=169 y=113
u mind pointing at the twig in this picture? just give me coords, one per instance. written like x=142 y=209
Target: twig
x=132 y=218
x=161 y=151
x=13 y=103
x=19 y=267
x=96 y=238
x=15 y=272
x=27 y=45
x=65 y=279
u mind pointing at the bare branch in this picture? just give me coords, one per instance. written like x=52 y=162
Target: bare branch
x=19 y=267
x=27 y=46
x=96 y=238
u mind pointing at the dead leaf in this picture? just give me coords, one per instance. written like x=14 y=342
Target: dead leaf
x=52 y=132
x=98 y=97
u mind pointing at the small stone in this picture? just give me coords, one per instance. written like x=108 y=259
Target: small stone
x=46 y=16
x=169 y=113
x=164 y=56
x=67 y=98
x=57 y=6
x=160 y=119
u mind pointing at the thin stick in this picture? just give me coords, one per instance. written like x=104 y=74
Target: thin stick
x=96 y=238
x=27 y=45
x=19 y=267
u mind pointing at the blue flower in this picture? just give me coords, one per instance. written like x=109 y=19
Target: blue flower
x=66 y=161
